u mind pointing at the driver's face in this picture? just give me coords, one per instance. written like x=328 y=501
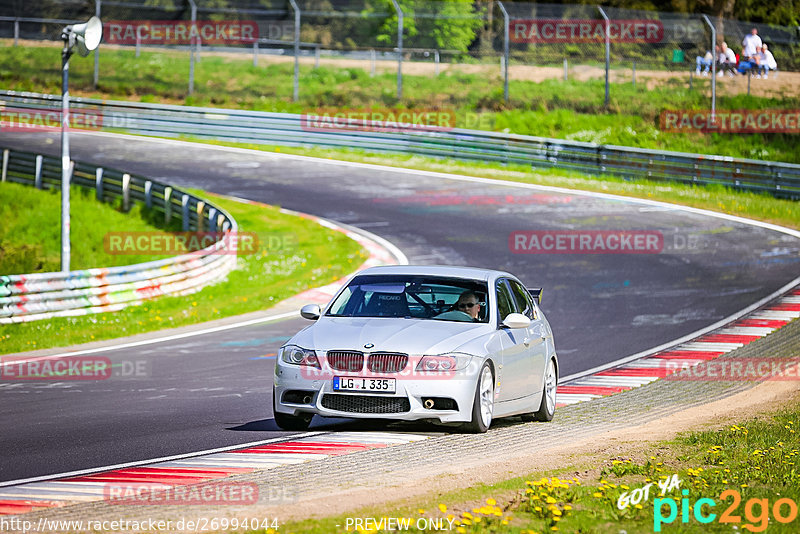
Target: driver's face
x=469 y=305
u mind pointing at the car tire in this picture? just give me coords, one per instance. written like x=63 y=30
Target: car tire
x=290 y=422
x=547 y=407
x=483 y=403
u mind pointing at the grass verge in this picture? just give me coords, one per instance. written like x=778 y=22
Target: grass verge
x=747 y=472
x=294 y=254
x=30 y=239
x=550 y=108
x=758 y=206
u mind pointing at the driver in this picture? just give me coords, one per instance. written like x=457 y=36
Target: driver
x=469 y=303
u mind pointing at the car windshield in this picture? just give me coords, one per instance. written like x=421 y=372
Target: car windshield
x=413 y=296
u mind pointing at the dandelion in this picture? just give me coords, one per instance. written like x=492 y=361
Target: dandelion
x=442 y=508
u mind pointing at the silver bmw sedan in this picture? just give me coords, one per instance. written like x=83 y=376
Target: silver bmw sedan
x=448 y=344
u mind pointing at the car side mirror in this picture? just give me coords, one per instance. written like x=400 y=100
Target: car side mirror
x=516 y=320
x=310 y=311
x=536 y=293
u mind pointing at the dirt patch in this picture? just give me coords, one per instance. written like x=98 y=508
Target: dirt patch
x=764 y=398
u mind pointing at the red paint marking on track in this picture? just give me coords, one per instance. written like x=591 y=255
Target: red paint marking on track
x=728 y=338
x=299 y=447
x=686 y=355
x=593 y=390
x=652 y=371
x=784 y=306
x=144 y=478
x=761 y=323
x=199 y=471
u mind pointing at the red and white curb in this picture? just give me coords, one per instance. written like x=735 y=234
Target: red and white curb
x=739 y=333
x=33 y=496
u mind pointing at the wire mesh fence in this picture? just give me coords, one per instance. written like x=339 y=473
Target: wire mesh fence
x=500 y=40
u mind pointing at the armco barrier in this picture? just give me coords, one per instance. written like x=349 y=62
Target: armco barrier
x=29 y=297
x=779 y=179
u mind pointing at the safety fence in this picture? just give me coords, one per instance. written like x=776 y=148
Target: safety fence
x=308 y=130
x=30 y=297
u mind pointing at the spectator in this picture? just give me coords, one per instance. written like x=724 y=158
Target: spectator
x=726 y=60
x=766 y=61
x=705 y=61
x=752 y=45
x=747 y=65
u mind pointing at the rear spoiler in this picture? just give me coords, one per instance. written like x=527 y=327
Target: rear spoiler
x=536 y=293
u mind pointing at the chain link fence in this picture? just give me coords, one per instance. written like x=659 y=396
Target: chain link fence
x=500 y=40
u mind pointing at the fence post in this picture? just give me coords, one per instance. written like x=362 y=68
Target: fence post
x=167 y=204
x=372 y=58
x=126 y=192
x=16 y=31
x=138 y=43
x=148 y=194
x=608 y=47
x=96 y=75
x=185 y=212
x=255 y=53
x=399 y=12
x=5 y=166
x=191 y=46
x=212 y=220
x=634 y=74
x=296 y=88
x=37 y=177
x=565 y=69
x=98 y=183
x=316 y=56
x=506 y=23
x=436 y=61
x=714 y=69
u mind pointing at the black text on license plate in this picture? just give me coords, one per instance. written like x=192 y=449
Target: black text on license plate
x=355 y=383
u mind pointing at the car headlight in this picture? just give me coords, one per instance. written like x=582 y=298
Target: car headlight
x=453 y=361
x=295 y=355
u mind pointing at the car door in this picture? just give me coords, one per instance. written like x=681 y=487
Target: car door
x=515 y=355
x=536 y=348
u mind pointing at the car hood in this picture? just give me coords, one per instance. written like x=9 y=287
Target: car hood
x=411 y=336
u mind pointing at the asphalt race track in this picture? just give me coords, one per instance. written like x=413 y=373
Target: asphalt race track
x=214 y=390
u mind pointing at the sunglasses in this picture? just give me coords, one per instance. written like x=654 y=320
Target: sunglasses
x=468 y=304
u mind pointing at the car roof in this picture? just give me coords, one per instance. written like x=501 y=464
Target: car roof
x=470 y=273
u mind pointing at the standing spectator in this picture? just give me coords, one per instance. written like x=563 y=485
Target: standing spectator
x=705 y=61
x=726 y=60
x=766 y=61
x=752 y=45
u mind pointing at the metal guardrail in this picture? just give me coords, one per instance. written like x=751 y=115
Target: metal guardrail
x=30 y=297
x=283 y=129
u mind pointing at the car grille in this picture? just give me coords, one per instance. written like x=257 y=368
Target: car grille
x=387 y=362
x=366 y=404
x=352 y=362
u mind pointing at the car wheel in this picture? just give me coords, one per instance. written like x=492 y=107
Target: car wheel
x=483 y=404
x=547 y=408
x=290 y=422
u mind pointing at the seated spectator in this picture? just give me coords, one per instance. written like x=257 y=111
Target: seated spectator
x=726 y=60
x=751 y=45
x=705 y=61
x=747 y=65
x=766 y=61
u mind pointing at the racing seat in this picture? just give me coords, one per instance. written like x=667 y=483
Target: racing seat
x=387 y=305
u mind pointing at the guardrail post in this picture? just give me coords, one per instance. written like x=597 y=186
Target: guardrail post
x=167 y=204
x=126 y=192
x=200 y=207
x=98 y=183
x=185 y=212
x=5 y=165
x=148 y=194
x=37 y=177
x=212 y=220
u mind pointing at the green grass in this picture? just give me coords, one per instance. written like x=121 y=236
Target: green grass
x=294 y=254
x=758 y=458
x=758 y=206
x=30 y=236
x=551 y=108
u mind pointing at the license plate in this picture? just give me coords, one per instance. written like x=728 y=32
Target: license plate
x=355 y=383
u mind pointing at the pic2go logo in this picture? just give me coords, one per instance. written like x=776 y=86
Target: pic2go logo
x=756 y=511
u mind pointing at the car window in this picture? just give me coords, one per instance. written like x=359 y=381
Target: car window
x=522 y=298
x=505 y=303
